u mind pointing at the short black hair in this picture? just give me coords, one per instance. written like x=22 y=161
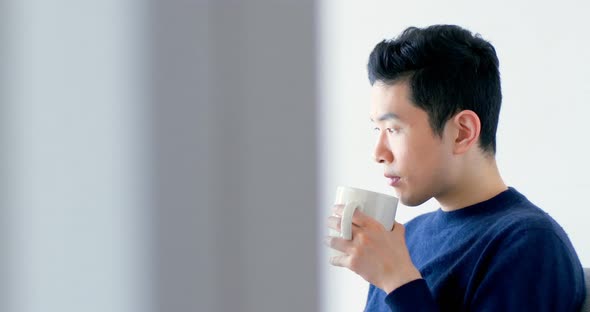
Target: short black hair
x=448 y=70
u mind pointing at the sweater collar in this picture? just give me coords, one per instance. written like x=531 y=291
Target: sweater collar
x=494 y=204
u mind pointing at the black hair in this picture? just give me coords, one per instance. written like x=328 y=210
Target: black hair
x=448 y=69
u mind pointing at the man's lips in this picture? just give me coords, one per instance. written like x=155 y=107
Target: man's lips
x=393 y=181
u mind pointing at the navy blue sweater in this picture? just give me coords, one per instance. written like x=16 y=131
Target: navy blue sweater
x=503 y=254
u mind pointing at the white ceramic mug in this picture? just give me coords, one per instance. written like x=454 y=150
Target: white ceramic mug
x=378 y=206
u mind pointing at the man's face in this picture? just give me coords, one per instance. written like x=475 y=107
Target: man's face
x=417 y=162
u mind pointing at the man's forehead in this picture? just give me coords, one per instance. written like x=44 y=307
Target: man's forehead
x=388 y=101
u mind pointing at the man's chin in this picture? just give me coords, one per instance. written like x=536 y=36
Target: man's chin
x=411 y=201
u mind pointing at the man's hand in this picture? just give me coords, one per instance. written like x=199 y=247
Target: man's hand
x=376 y=254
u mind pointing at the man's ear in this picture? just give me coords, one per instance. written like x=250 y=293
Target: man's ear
x=467 y=129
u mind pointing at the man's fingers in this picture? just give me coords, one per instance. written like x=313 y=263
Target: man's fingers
x=398 y=227
x=361 y=219
x=338 y=210
x=334 y=223
x=341 y=261
x=338 y=243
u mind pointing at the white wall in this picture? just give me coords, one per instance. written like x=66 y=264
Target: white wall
x=542 y=143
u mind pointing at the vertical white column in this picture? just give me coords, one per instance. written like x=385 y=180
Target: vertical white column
x=73 y=151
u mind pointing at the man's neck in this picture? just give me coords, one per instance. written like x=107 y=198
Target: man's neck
x=479 y=182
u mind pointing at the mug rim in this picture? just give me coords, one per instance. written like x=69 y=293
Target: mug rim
x=365 y=190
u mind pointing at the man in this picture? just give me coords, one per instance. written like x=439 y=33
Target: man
x=435 y=102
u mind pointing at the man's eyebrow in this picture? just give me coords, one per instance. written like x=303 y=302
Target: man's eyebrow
x=387 y=116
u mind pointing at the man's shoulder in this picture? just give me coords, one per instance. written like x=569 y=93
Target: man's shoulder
x=524 y=223
x=512 y=216
x=522 y=216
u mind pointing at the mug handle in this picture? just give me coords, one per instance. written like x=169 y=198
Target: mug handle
x=346 y=222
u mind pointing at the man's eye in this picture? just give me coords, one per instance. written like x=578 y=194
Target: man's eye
x=389 y=130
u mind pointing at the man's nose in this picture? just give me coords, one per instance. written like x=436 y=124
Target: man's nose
x=382 y=153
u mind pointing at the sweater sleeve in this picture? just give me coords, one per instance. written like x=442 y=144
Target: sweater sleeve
x=532 y=270
x=413 y=296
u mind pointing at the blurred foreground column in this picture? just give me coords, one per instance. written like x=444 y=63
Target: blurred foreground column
x=234 y=119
